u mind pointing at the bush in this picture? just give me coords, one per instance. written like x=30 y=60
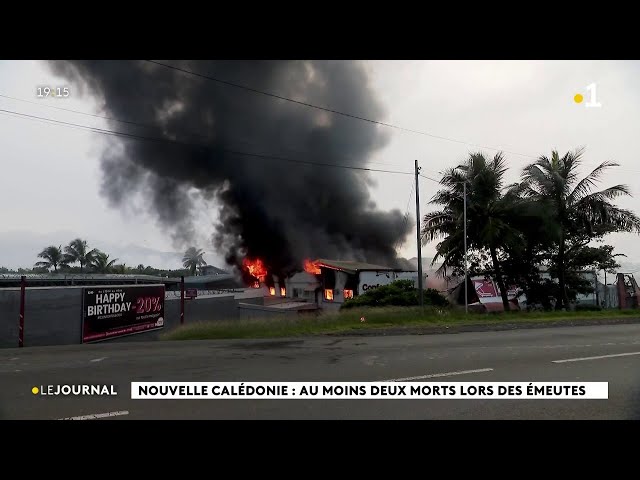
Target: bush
x=587 y=308
x=401 y=293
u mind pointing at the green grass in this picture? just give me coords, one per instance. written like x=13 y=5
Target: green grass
x=376 y=318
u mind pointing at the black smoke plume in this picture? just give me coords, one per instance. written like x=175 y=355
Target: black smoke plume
x=282 y=212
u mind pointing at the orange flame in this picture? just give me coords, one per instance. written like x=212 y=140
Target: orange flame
x=283 y=292
x=311 y=267
x=255 y=268
x=272 y=290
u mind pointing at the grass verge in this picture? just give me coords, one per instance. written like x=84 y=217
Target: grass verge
x=378 y=319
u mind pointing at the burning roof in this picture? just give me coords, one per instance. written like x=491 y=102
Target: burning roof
x=353 y=266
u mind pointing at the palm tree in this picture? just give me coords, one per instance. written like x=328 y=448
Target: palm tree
x=193 y=259
x=78 y=251
x=101 y=262
x=53 y=257
x=491 y=208
x=575 y=209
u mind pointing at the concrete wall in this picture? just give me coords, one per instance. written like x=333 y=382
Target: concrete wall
x=9 y=311
x=53 y=316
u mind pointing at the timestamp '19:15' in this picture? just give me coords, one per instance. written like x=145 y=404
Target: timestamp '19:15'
x=55 y=92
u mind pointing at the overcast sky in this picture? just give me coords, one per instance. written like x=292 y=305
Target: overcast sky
x=49 y=181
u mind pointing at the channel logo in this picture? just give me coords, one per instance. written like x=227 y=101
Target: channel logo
x=79 y=390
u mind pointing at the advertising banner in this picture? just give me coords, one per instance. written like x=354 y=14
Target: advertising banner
x=485 y=288
x=109 y=312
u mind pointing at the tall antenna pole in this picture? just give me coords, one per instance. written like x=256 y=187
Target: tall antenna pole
x=419 y=240
x=466 y=271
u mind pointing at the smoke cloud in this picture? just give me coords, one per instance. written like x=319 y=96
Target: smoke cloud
x=276 y=210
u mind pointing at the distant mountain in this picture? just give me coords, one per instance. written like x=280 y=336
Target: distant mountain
x=21 y=248
x=211 y=270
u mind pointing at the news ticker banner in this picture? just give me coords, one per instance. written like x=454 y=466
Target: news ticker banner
x=370 y=390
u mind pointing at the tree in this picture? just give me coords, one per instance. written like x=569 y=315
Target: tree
x=122 y=268
x=578 y=214
x=53 y=257
x=78 y=252
x=101 y=262
x=193 y=259
x=491 y=209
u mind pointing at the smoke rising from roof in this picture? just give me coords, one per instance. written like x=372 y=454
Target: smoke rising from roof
x=279 y=211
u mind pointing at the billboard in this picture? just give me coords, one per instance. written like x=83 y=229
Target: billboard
x=109 y=312
x=485 y=288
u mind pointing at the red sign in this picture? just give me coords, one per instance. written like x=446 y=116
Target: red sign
x=485 y=288
x=191 y=292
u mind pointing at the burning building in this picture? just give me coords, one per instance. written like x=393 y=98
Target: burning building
x=325 y=283
x=330 y=282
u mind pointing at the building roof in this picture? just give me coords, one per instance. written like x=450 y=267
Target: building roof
x=212 y=282
x=211 y=270
x=352 y=266
x=302 y=277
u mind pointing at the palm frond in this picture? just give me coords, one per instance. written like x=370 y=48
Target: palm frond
x=537 y=177
x=587 y=183
x=607 y=194
x=436 y=225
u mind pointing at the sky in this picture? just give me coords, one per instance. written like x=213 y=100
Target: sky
x=50 y=176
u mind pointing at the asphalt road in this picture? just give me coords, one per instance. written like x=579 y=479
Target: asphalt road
x=517 y=355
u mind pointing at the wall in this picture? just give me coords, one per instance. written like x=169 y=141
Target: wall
x=374 y=279
x=53 y=315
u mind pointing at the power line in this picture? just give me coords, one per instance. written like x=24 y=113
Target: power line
x=330 y=110
x=429 y=178
x=157 y=127
x=104 y=131
x=130 y=122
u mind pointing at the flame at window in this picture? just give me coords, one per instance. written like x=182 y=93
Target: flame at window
x=348 y=294
x=328 y=294
x=283 y=292
x=272 y=290
x=311 y=267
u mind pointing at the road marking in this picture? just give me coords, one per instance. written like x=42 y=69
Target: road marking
x=14 y=358
x=436 y=375
x=93 y=416
x=98 y=359
x=596 y=358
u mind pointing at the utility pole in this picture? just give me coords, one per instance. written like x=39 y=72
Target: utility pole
x=606 y=290
x=419 y=240
x=466 y=271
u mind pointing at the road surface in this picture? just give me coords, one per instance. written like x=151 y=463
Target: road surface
x=516 y=355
